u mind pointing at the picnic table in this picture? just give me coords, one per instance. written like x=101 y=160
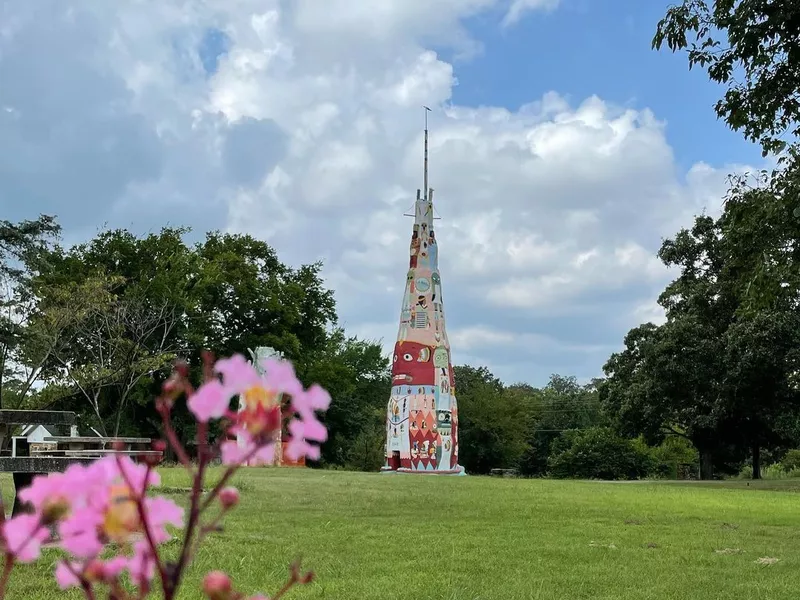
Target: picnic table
x=57 y=452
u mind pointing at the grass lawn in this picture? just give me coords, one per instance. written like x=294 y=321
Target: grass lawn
x=424 y=537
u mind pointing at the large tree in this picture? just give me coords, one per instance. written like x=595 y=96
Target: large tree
x=23 y=247
x=226 y=293
x=752 y=47
x=492 y=421
x=667 y=379
x=717 y=372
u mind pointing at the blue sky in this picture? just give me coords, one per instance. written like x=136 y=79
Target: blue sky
x=586 y=48
x=302 y=127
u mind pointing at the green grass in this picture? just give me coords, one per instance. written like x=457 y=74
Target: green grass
x=426 y=537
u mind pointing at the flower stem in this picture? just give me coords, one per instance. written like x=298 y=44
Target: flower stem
x=138 y=498
x=8 y=565
x=191 y=525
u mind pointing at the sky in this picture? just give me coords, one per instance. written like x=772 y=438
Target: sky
x=563 y=149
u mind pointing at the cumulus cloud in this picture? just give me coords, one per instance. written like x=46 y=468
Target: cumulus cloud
x=303 y=127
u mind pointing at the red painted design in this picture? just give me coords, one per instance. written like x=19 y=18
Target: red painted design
x=414 y=360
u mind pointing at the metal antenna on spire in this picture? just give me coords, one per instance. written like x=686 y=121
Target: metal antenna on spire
x=425 y=189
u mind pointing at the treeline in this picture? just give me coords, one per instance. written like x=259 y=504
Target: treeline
x=95 y=328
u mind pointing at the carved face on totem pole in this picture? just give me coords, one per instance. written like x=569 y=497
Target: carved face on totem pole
x=413 y=363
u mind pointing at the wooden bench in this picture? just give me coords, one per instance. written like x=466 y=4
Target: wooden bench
x=29 y=462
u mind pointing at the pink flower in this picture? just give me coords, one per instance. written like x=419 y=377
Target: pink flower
x=234 y=454
x=298 y=446
x=53 y=493
x=161 y=512
x=237 y=374
x=306 y=405
x=23 y=536
x=78 y=533
x=314 y=398
x=307 y=426
x=210 y=401
x=66 y=575
x=142 y=565
x=279 y=376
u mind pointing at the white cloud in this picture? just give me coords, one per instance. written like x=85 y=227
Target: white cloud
x=518 y=9
x=309 y=135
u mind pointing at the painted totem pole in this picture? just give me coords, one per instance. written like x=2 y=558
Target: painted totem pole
x=422 y=416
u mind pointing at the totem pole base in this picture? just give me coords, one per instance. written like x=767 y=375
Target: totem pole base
x=458 y=471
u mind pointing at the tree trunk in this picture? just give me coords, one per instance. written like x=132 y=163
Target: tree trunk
x=706 y=465
x=756 y=461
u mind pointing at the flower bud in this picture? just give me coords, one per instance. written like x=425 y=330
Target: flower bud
x=217 y=586
x=159 y=445
x=229 y=497
x=307 y=578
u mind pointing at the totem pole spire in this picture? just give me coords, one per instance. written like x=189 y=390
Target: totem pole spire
x=422 y=413
x=425 y=189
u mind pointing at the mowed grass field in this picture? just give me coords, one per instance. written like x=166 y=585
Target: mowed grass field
x=420 y=537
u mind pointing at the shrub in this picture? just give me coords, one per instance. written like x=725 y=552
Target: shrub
x=600 y=453
x=791 y=461
x=673 y=453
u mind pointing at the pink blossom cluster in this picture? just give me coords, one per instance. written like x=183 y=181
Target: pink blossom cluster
x=107 y=525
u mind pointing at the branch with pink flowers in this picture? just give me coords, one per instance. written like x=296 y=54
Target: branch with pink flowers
x=104 y=520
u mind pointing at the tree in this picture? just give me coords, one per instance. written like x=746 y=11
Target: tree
x=491 y=419
x=22 y=247
x=753 y=48
x=356 y=374
x=667 y=380
x=85 y=335
x=562 y=405
x=762 y=371
x=600 y=453
x=760 y=230
x=226 y=293
x=720 y=370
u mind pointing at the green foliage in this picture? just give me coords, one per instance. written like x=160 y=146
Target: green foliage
x=791 y=460
x=717 y=373
x=356 y=374
x=751 y=47
x=674 y=457
x=23 y=247
x=600 y=453
x=367 y=449
x=562 y=405
x=492 y=421
x=770 y=472
x=760 y=228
